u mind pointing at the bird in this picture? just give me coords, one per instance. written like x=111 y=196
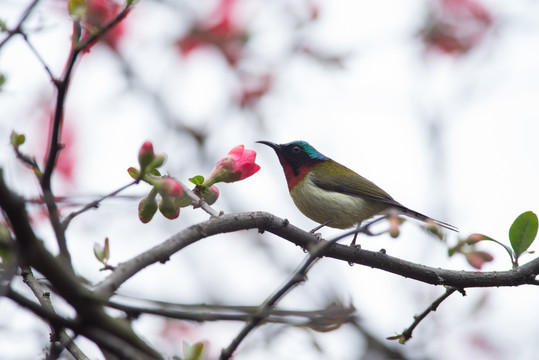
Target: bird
x=333 y=195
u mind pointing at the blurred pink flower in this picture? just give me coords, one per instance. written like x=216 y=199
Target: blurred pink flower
x=220 y=31
x=99 y=13
x=254 y=88
x=455 y=27
x=478 y=258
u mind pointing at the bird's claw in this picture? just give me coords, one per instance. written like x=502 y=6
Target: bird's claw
x=356 y=246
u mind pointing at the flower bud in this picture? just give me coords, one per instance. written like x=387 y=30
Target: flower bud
x=147 y=207
x=210 y=194
x=168 y=208
x=145 y=155
x=168 y=187
x=394 y=226
x=183 y=201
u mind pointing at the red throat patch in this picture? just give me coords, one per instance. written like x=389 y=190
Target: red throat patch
x=291 y=178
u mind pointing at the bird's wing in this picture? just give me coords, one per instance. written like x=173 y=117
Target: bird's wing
x=355 y=185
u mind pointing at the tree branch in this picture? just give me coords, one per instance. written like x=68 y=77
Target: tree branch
x=263 y=221
x=45 y=301
x=118 y=346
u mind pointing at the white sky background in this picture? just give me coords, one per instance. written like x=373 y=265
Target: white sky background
x=370 y=115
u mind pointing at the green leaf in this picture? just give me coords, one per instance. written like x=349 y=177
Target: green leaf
x=400 y=338
x=197 y=180
x=193 y=352
x=102 y=252
x=523 y=232
x=157 y=161
x=134 y=173
x=2 y=80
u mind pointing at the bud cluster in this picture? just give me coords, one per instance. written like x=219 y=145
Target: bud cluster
x=238 y=165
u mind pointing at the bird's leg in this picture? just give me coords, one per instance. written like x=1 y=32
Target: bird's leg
x=353 y=243
x=318 y=235
x=320 y=226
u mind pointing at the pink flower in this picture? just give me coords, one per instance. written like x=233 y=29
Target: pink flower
x=238 y=165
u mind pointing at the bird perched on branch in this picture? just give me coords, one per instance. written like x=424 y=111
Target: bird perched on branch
x=333 y=195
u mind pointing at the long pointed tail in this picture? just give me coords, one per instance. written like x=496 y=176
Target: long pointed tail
x=416 y=215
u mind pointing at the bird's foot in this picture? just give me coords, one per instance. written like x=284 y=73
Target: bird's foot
x=353 y=243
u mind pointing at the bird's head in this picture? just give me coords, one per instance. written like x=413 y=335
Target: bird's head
x=297 y=159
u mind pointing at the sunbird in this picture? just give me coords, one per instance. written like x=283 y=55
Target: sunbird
x=331 y=194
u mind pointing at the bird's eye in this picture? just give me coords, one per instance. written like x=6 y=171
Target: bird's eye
x=296 y=149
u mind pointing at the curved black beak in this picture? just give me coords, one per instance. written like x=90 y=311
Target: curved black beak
x=274 y=146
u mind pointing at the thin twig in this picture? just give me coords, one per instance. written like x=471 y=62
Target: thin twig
x=18 y=27
x=407 y=333
x=88 y=42
x=94 y=204
x=199 y=202
x=39 y=58
x=320 y=320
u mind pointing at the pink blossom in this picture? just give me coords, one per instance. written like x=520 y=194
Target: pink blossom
x=238 y=165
